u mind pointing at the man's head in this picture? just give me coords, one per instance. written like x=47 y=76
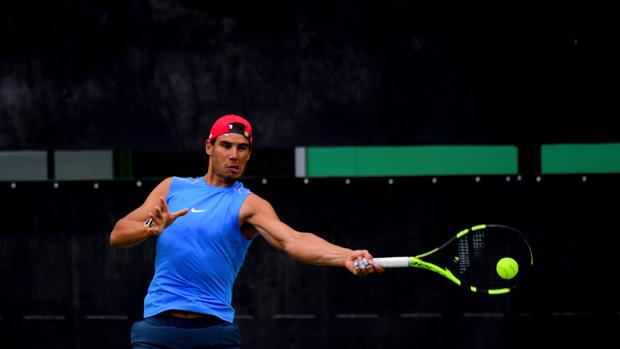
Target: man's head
x=229 y=147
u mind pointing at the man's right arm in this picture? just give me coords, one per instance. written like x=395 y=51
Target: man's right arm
x=130 y=230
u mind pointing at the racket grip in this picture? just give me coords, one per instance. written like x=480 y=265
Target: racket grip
x=392 y=262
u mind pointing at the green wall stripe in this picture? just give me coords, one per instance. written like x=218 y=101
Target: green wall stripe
x=125 y=164
x=410 y=160
x=580 y=158
x=331 y=161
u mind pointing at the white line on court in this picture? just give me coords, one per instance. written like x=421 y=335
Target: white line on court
x=295 y=316
x=106 y=317
x=421 y=315
x=44 y=317
x=356 y=316
x=244 y=317
x=571 y=313
x=484 y=315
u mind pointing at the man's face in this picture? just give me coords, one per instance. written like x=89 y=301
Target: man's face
x=229 y=156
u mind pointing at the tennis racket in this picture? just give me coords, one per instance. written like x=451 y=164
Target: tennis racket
x=471 y=259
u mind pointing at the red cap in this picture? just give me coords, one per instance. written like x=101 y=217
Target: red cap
x=231 y=124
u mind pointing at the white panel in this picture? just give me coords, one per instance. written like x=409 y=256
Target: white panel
x=23 y=165
x=84 y=164
x=300 y=162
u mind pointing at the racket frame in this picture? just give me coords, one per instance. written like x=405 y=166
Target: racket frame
x=417 y=262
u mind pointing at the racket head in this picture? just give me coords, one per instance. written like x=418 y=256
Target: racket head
x=472 y=256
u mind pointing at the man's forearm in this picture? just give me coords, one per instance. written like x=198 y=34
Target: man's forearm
x=128 y=233
x=312 y=249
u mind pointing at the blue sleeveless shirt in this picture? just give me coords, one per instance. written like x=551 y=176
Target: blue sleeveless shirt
x=199 y=255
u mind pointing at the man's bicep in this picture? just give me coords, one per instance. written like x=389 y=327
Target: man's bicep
x=266 y=221
x=139 y=214
x=277 y=234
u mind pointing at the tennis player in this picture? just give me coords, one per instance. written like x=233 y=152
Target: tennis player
x=204 y=226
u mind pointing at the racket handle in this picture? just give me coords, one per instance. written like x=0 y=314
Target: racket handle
x=392 y=262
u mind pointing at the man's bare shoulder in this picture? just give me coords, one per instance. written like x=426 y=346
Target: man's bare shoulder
x=160 y=190
x=255 y=201
x=253 y=205
x=164 y=185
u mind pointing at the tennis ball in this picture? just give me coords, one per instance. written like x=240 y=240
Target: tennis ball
x=507 y=268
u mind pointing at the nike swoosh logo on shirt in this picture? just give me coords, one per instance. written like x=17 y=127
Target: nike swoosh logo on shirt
x=197 y=211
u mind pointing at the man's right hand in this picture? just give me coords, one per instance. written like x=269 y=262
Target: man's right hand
x=162 y=218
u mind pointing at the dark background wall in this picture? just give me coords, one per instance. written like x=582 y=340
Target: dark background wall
x=63 y=287
x=155 y=74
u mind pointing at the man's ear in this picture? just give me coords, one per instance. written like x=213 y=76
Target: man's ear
x=208 y=148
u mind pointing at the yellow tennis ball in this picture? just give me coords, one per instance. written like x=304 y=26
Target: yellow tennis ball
x=507 y=268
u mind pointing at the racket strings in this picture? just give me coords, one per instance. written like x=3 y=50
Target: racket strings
x=470 y=250
x=463 y=260
x=478 y=254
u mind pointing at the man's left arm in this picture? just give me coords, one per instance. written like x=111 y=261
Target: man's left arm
x=305 y=247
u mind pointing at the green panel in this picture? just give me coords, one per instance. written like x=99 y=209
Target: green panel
x=125 y=163
x=436 y=160
x=411 y=161
x=581 y=158
x=331 y=161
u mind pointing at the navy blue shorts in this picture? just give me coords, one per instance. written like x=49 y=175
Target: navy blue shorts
x=166 y=331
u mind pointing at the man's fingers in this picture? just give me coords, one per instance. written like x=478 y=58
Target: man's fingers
x=153 y=231
x=369 y=266
x=378 y=268
x=164 y=205
x=151 y=225
x=161 y=215
x=158 y=216
x=360 y=265
x=364 y=266
x=177 y=214
x=155 y=218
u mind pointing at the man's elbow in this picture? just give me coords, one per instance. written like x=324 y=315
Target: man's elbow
x=113 y=240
